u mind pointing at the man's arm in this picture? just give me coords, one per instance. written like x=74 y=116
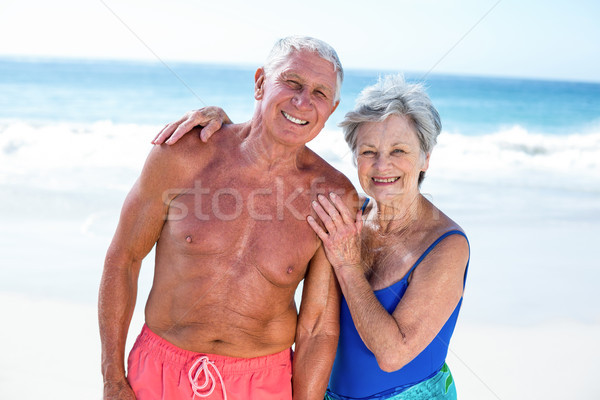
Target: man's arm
x=318 y=326
x=317 y=330
x=140 y=224
x=210 y=118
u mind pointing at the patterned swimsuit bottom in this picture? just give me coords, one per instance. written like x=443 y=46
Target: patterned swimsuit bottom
x=439 y=387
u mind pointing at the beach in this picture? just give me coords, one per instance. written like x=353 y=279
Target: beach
x=51 y=349
x=528 y=200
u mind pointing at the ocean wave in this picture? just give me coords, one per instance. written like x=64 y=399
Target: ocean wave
x=72 y=155
x=99 y=154
x=521 y=157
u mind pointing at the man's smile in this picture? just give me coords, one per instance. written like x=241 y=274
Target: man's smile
x=294 y=120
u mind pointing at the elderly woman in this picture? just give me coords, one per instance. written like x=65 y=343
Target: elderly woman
x=402 y=269
x=402 y=265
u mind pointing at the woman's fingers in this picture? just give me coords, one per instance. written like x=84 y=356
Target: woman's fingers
x=324 y=216
x=317 y=228
x=332 y=211
x=359 y=220
x=338 y=211
x=341 y=239
x=342 y=209
x=336 y=216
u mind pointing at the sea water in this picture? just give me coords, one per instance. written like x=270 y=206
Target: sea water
x=517 y=165
x=152 y=93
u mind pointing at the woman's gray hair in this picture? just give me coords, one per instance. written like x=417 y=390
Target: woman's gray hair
x=283 y=47
x=391 y=95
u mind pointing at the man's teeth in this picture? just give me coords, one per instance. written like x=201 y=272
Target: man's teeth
x=294 y=120
x=386 y=180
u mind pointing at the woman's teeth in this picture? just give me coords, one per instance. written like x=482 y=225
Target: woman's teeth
x=386 y=180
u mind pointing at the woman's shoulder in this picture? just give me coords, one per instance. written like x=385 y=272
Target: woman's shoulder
x=445 y=236
x=438 y=222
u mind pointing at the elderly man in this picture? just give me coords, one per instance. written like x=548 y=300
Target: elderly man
x=228 y=219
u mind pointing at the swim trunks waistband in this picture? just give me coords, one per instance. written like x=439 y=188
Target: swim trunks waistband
x=168 y=352
x=159 y=370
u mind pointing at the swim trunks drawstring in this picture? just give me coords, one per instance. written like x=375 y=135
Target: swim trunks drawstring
x=201 y=365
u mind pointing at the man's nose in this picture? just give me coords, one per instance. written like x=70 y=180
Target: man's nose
x=302 y=99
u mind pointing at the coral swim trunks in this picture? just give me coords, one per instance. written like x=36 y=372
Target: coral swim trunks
x=158 y=369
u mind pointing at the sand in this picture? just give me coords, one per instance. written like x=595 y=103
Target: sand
x=50 y=349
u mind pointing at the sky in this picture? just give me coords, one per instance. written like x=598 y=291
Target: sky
x=532 y=39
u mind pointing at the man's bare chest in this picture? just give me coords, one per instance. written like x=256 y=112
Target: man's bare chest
x=243 y=222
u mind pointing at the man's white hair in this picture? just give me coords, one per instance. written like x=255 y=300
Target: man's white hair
x=283 y=47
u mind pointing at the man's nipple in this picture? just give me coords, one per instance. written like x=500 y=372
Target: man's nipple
x=290 y=270
x=188 y=238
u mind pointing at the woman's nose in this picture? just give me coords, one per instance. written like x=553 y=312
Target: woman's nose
x=382 y=163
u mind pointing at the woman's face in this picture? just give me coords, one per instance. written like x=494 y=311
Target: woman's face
x=389 y=158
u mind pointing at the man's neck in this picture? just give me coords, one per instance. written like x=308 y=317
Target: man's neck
x=260 y=150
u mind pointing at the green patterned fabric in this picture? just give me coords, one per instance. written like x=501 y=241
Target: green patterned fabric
x=440 y=387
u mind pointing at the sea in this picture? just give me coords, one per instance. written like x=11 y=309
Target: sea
x=517 y=165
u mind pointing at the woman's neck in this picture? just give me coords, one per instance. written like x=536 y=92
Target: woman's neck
x=398 y=215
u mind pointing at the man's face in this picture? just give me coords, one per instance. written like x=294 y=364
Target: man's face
x=296 y=99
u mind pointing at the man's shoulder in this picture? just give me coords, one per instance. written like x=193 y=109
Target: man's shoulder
x=321 y=168
x=191 y=151
x=178 y=163
x=187 y=146
x=327 y=179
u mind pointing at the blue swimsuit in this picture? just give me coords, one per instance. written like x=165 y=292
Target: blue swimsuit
x=357 y=375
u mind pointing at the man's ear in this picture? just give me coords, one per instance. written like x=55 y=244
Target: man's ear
x=259 y=81
x=337 y=103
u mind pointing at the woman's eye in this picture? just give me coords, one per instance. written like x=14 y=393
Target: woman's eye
x=367 y=153
x=398 y=151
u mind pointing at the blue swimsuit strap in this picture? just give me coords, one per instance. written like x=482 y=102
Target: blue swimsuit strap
x=431 y=247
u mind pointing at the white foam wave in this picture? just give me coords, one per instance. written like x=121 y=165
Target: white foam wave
x=512 y=156
x=66 y=155
x=521 y=158
x=107 y=155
